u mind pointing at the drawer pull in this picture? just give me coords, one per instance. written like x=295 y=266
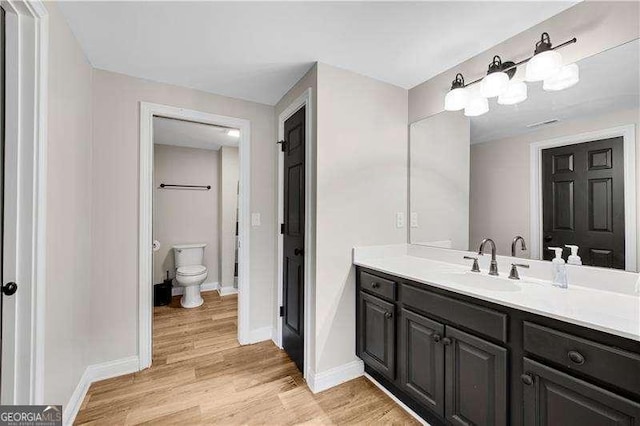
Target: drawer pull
x=446 y=341
x=576 y=357
x=527 y=379
x=375 y=285
x=436 y=337
x=388 y=315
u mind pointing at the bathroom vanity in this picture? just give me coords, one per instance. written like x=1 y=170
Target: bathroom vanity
x=461 y=348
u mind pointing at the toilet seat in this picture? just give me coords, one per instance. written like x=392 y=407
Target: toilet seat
x=191 y=270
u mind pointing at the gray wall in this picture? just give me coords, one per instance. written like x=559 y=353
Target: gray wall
x=185 y=216
x=69 y=198
x=439 y=185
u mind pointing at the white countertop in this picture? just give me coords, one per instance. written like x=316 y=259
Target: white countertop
x=607 y=311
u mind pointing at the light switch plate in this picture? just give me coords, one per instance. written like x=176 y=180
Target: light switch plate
x=400 y=220
x=255 y=219
x=414 y=219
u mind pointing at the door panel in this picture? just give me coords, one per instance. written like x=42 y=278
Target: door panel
x=422 y=360
x=377 y=334
x=583 y=201
x=476 y=380
x=554 y=398
x=293 y=238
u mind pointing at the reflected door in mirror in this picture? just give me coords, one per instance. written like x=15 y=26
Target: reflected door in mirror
x=583 y=201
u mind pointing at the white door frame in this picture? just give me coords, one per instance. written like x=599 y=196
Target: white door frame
x=25 y=201
x=145 y=240
x=304 y=100
x=628 y=135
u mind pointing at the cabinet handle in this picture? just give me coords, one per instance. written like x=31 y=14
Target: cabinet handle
x=446 y=341
x=375 y=285
x=527 y=379
x=576 y=357
x=436 y=337
x=388 y=315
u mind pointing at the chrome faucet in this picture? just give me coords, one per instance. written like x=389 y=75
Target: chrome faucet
x=523 y=245
x=493 y=268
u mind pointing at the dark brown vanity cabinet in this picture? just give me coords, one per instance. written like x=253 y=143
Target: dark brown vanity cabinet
x=377 y=334
x=457 y=360
x=555 y=398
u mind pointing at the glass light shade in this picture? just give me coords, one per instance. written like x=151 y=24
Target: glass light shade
x=476 y=106
x=543 y=65
x=494 y=84
x=456 y=99
x=566 y=77
x=516 y=93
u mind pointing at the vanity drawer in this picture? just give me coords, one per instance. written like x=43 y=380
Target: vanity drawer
x=483 y=320
x=377 y=285
x=609 y=364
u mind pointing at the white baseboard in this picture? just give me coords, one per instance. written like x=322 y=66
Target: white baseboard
x=227 y=290
x=396 y=400
x=178 y=290
x=95 y=373
x=327 y=379
x=259 y=335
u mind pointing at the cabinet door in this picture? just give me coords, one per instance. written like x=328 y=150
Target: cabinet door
x=555 y=398
x=377 y=334
x=421 y=360
x=476 y=380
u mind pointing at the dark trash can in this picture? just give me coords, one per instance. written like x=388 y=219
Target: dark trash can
x=162 y=293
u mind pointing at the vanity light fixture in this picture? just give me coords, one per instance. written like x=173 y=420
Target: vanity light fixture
x=567 y=76
x=545 y=61
x=458 y=96
x=496 y=81
x=234 y=133
x=545 y=64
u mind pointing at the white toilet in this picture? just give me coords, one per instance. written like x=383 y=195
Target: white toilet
x=190 y=272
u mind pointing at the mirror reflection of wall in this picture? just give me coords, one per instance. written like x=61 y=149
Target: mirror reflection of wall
x=557 y=168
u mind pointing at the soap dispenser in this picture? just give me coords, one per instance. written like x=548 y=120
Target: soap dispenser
x=559 y=268
x=573 y=259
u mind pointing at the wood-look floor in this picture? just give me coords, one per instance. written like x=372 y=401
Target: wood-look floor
x=201 y=375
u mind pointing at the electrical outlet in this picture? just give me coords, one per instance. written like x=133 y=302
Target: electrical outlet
x=400 y=220
x=414 y=219
x=255 y=219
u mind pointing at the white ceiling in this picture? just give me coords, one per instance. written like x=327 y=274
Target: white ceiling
x=168 y=131
x=258 y=50
x=609 y=81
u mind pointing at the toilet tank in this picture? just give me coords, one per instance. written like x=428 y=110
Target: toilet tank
x=189 y=254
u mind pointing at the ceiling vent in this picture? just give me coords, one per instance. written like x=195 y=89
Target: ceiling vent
x=542 y=123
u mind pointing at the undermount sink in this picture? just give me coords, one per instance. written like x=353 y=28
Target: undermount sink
x=485 y=282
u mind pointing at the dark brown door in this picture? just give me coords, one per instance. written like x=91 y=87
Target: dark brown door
x=422 y=360
x=293 y=230
x=377 y=334
x=583 y=201
x=554 y=398
x=475 y=380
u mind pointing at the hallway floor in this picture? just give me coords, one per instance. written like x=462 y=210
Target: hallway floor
x=201 y=375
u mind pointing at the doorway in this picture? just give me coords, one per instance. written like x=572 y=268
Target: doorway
x=292 y=311
x=148 y=112
x=614 y=158
x=583 y=201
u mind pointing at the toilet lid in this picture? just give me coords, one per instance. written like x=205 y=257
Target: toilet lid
x=191 y=270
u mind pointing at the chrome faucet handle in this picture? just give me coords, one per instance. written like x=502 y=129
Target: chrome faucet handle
x=513 y=275
x=475 y=267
